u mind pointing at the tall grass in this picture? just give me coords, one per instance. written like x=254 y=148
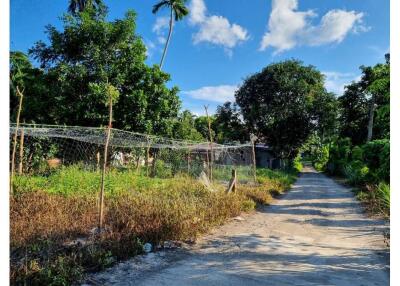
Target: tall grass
x=49 y=213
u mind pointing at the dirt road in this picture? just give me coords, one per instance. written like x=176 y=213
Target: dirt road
x=316 y=234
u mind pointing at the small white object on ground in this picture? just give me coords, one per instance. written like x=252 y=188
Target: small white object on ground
x=239 y=218
x=147 y=247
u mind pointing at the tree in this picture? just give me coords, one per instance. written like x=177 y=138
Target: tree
x=178 y=11
x=91 y=51
x=77 y=6
x=228 y=124
x=184 y=127
x=325 y=108
x=37 y=101
x=353 y=118
x=379 y=91
x=365 y=100
x=278 y=103
x=201 y=125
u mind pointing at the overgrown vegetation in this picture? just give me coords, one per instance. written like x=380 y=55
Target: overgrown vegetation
x=359 y=150
x=53 y=218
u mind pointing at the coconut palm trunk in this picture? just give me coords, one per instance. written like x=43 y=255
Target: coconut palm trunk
x=171 y=26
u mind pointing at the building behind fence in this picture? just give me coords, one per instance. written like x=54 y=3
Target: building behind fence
x=45 y=148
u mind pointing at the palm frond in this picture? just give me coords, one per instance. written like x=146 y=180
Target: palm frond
x=160 y=5
x=180 y=11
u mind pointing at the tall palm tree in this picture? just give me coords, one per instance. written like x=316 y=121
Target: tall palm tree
x=178 y=11
x=76 y=6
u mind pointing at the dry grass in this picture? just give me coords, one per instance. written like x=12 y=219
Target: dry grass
x=137 y=210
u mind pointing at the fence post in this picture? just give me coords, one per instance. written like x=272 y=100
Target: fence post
x=105 y=166
x=210 y=145
x=253 y=139
x=232 y=182
x=21 y=96
x=21 y=152
x=148 y=156
x=188 y=161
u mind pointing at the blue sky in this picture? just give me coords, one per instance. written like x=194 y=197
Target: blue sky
x=221 y=42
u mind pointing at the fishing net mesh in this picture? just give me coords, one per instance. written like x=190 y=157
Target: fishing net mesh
x=44 y=148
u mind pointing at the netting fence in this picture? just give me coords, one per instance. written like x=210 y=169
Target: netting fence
x=45 y=148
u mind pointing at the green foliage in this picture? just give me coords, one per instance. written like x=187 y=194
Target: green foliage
x=356 y=173
x=229 y=125
x=355 y=103
x=316 y=152
x=340 y=152
x=185 y=127
x=37 y=101
x=92 y=57
x=177 y=6
x=376 y=155
x=201 y=124
x=77 y=6
x=297 y=165
x=284 y=103
x=162 y=170
x=63 y=271
x=383 y=193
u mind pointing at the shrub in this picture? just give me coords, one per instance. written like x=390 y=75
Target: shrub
x=162 y=170
x=339 y=156
x=297 y=165
x=383 y=194
x=356 y=173
x=377 y=157
x=357 y=153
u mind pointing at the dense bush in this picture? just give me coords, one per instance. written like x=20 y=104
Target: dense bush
x=376 y=155
x=162 y=170
x=340 y=152
x=297 y=165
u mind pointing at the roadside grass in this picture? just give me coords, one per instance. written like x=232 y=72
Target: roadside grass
x=376 y=198
x=52 y=218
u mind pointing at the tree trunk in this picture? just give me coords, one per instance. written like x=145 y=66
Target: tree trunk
x=21 y=96
x=171 y=25
x=104 y=167
x=371 y=119
x=21 y=152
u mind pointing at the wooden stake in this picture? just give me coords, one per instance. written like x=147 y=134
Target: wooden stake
x=253 y=140
x=232 y=182
x=147 y=156
x=210 y=144
x=105 y=166
x=21 y=96
x=21 y=152
x=188 y=162
x=98 y=161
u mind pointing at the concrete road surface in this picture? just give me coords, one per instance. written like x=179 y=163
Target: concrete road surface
x=315 y=234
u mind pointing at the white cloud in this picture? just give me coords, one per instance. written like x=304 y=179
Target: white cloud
x=220 y=93
x=150 y=47
x=288 y=28
x=215 y=29
x=162 y=40
x=197 y=12
x=161 y=24
x=336 y=81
